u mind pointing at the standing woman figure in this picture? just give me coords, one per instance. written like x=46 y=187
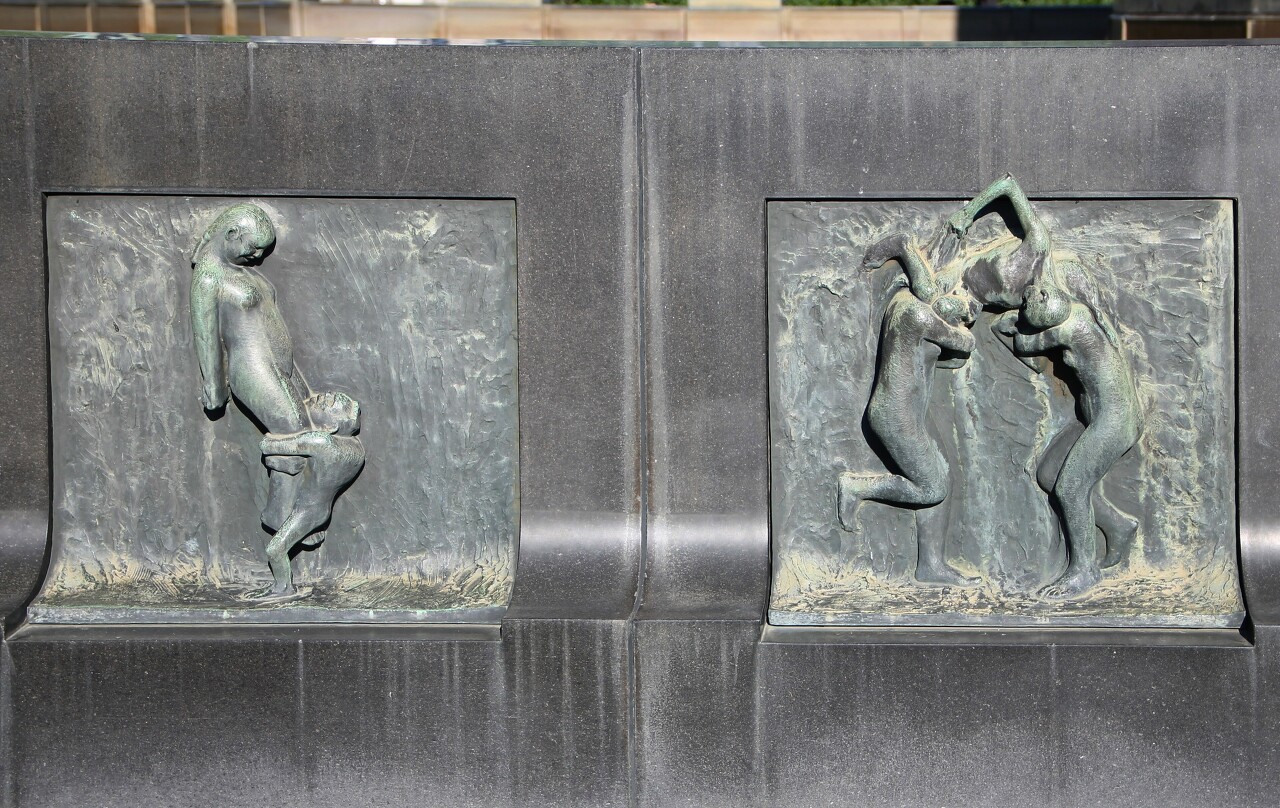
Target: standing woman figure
x=242 y=342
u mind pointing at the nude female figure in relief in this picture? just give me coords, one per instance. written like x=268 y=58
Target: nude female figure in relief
x=242 y=342
x=922 y=324
x=244 y=351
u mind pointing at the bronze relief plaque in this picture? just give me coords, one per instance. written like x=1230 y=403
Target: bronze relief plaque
x=1003 y=413
x=279 y=409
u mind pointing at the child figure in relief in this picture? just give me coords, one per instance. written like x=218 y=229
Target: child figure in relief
x=332 y=457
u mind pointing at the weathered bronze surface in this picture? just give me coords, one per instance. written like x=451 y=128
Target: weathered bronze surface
x=243 y=347
x=1016 y=418
x=193 y=458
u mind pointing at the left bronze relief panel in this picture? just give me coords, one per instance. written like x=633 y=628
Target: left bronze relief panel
x=279 y=409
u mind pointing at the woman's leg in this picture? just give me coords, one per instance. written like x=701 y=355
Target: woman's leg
x=273 y=400
x=925 y=478
x=1055 y=454
x=1101 y=445
x=1118 y=527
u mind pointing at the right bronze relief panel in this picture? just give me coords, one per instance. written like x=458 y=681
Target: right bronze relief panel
x=1000 y=412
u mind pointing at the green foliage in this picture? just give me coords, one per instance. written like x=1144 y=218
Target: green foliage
x=1042 y=3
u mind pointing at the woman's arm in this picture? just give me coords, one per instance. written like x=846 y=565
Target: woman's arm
x=1042 y=341
x=207 y=335
x=1035 y=233
x=902 y=248
x=303 y=444
x=951 y=337
x=1005 y=328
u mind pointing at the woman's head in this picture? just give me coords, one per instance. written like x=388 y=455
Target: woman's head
x=1045 y=306
x=242 y=235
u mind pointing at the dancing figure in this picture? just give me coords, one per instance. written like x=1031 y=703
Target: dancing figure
x=914 y=335
x=1079 y=457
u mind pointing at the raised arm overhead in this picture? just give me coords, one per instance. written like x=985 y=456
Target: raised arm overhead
x=901 y=247
x=1035 y=235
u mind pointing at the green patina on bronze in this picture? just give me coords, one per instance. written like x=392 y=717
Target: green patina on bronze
x=883 y=384
x=244 y=349
x=192 y=456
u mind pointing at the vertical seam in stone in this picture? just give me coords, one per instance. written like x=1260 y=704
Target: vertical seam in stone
x=39 y=201
x=30 y=126
x=9 y=762
x=642 y=394
x=300 y=718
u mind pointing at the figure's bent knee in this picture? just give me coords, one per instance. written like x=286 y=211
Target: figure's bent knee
x=1074 y=490
x=933 y=492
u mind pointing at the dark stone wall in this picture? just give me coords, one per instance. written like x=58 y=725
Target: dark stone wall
x=631 y=670
x=1195 y=7
x=550 y=129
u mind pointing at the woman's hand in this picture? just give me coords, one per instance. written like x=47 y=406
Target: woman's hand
x=883 y=251
x=215 y=397
x=1006 y=324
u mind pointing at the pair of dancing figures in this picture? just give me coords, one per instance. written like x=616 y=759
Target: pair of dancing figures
x=1047 y=306
x=243 y=346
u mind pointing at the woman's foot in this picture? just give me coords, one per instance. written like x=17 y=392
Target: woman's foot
x=941 y=575
x=852 y=488
x=1119 y=541
x=271 y=596
x=1073 y=583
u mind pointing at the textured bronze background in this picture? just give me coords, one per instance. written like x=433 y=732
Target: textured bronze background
x=1165 y=272
x=407 y=305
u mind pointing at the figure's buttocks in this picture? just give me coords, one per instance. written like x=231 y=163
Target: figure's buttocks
x=1000 y=275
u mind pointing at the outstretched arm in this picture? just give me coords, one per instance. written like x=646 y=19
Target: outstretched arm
x=1006 y=330
x=302 y=444
x=207 y=335
x=1036 y=235
x=1042 y=341
x=951 y=337
x=902 y=248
